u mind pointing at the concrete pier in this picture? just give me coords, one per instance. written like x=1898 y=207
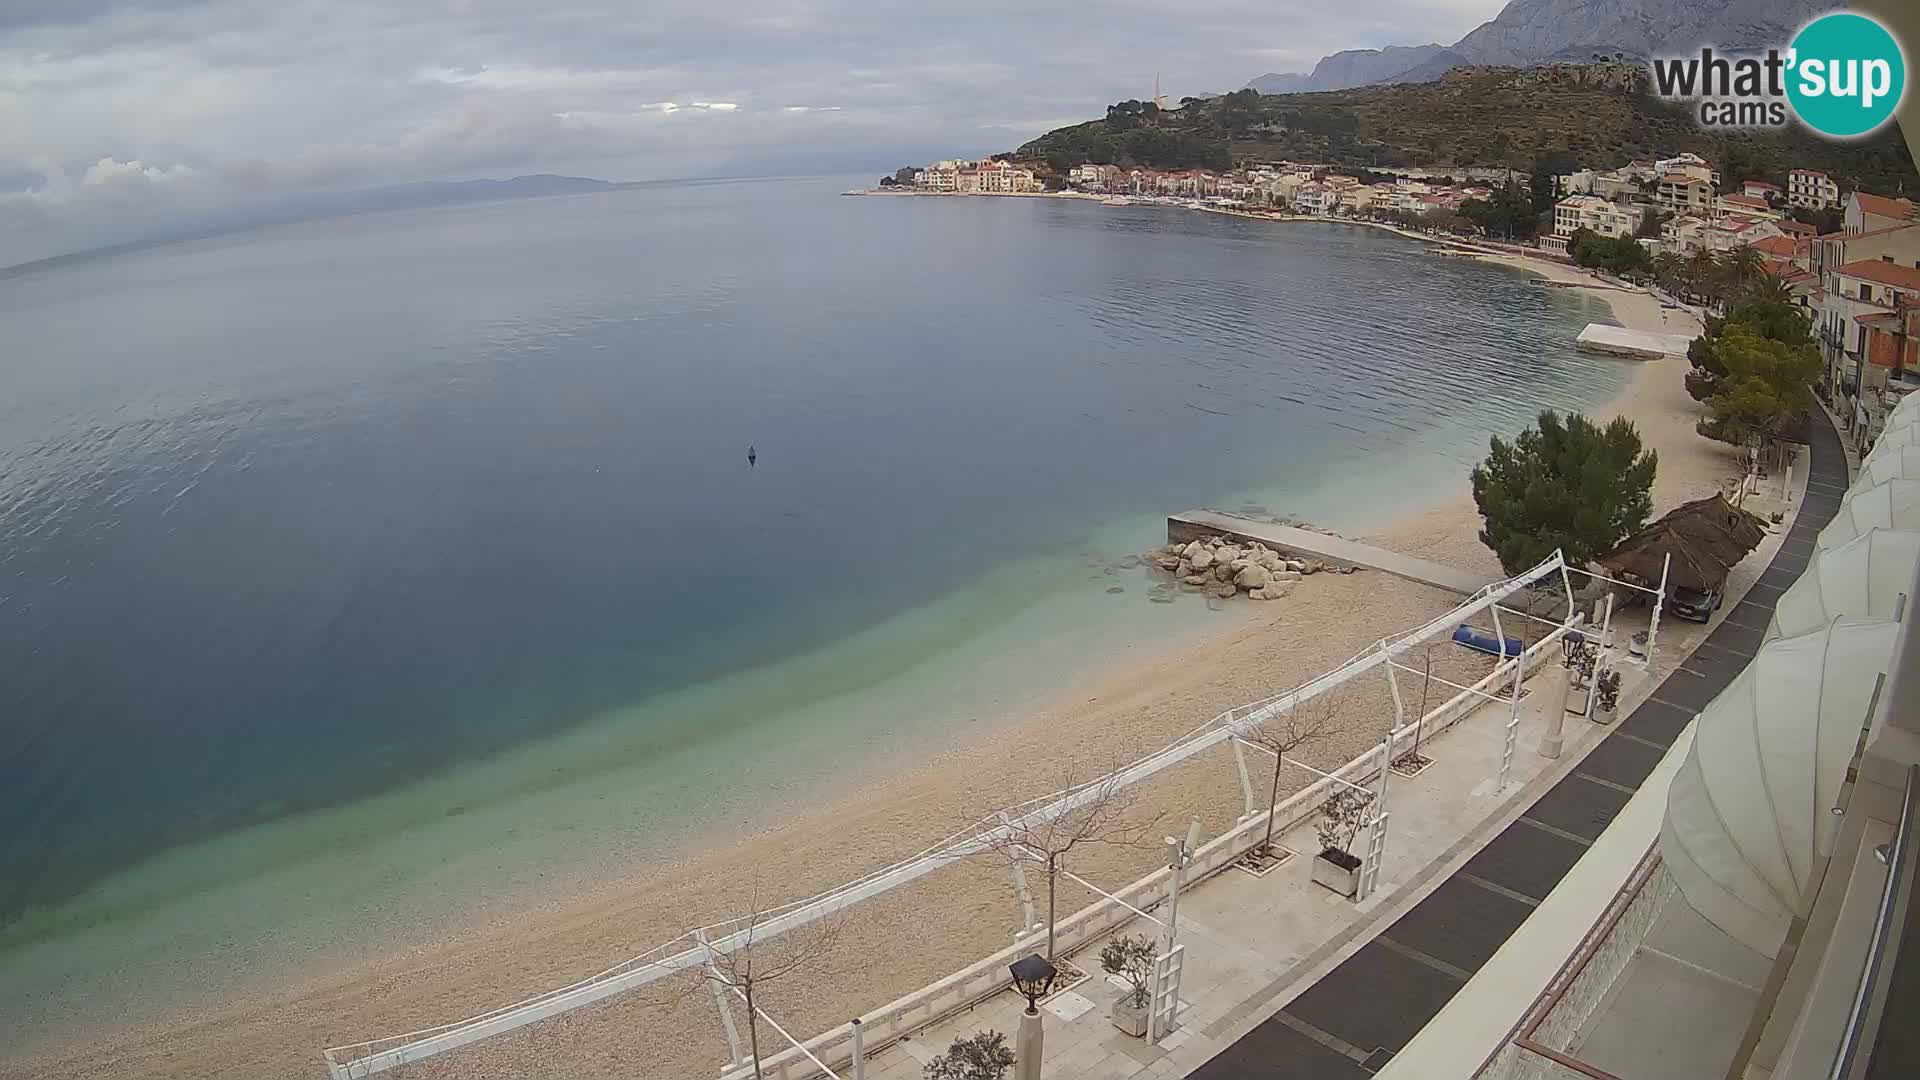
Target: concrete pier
x=1333 y=550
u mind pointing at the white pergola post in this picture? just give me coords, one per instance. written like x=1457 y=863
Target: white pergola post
x=1246 y=783
x=1513 y=723
x=1376 y=828
x=859 y=1049
x=714 y=982
x=1566 y=580
x=1393 y=686
x=1659 y=598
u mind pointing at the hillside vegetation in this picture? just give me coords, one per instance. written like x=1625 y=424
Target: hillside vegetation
x=1563 y=116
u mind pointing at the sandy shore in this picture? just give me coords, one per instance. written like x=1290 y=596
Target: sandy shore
x=916 y=934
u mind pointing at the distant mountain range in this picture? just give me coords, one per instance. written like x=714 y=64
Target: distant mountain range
x=1528 y=32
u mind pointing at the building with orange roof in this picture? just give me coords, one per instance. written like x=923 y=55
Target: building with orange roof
x=1866 y=213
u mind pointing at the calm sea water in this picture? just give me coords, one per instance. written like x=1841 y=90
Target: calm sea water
x=383 y=511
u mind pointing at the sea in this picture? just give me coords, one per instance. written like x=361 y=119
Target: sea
x=360 y=577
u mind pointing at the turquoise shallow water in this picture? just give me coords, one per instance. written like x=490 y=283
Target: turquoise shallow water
x=374 y=572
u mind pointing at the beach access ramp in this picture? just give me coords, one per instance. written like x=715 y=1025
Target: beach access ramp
x=1333 y=550
x=1633 y=344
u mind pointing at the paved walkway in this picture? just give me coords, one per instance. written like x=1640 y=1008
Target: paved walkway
x=1351 y=1022
x=1316 y=545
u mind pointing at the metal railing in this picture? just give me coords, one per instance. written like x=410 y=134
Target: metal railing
x=1870 y=996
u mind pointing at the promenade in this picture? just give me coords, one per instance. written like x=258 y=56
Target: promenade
x=1286 y=980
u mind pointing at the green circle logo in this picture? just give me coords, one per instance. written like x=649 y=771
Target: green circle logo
x=1846 y=75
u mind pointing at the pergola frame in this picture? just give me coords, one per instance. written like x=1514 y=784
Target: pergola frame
x=686 y=953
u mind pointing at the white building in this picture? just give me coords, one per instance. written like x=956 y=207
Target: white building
x=1592 y=212
x=1811 y=188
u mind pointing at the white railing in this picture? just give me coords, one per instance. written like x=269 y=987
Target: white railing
x=686 y=952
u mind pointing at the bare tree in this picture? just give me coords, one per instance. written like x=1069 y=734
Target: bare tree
x=1308 y=722
x=750 y=957
x=1098 y=812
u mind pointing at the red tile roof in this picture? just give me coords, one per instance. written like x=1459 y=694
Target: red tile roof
x=1798 y=228
x=1754 y=201
x=1761 y=184
x=1881 y=206
x=1780 y=246
x=1885 y=273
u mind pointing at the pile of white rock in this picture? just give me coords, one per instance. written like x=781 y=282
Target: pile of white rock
x=1223 y=568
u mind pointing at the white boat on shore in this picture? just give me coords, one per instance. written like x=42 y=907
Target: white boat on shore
x=1116 y=200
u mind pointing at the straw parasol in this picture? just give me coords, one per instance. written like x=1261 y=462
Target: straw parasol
x=1706 y=538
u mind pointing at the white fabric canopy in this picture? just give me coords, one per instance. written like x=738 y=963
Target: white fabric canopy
x=1906 y=412
x=1890 y=504
x=1893 y=438
x=1864 y=576
x=1889 y=463
x=1747 y=816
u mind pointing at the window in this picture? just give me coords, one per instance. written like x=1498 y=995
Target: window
x=1866 y=291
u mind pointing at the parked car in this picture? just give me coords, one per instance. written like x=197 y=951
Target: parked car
x=1694 y=604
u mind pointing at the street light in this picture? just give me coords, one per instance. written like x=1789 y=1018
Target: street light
x=1033 y=976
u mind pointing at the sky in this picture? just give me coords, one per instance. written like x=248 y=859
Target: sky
x=118 y=116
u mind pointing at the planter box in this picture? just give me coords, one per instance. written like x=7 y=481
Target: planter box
x=1331 y=868
x=1129 y=1019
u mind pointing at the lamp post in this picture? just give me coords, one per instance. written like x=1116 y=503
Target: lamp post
x=1180 y=851
x=1033 y=977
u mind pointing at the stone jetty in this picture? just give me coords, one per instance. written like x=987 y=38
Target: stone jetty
x=1224 y=568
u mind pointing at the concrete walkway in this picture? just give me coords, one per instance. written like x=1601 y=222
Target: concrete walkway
x=1338 y=550
x=1285 y=980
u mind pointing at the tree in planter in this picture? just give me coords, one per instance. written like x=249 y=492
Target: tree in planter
x=1131 y=958
x=1340 y=819
x=980 y=1056
x=1100 y=815
x=1765 y=385
x=1606 y=692
x=757 y=959
x=1569 y=485
x=1308 y=722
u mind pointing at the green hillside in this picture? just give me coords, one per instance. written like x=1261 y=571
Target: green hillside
x=1597 y=115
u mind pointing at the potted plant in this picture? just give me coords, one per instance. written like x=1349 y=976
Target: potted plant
x=1131 y=958
x=1336 y=867
x=980 y=1056
x=1606 y=696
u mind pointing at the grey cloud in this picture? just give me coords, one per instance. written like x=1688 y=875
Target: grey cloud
x=115 y=110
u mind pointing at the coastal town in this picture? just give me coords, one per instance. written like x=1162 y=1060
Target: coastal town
x=1850 y=259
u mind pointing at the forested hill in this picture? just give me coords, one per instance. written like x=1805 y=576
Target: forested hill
x=1560 y=116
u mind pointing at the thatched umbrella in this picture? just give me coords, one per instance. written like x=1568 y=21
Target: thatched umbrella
x=1706 y=538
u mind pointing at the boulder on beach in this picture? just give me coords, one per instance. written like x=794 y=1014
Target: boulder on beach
x=1228 y=553
x=1284 y=575
x=1169 y=563
x=1223 y=572
x=1188 y=551
x=1195 y=580
x=1251 y=577
x=1225 y=592
x=1201 y=559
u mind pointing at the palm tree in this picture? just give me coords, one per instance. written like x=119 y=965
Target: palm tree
x=1703 y=274
x=1769 y=289
x=1669 y=270
x=1744 y=264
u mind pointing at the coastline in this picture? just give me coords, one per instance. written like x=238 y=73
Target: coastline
x=1134 y=704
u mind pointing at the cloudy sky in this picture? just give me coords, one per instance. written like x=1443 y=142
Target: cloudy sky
x=118 y=115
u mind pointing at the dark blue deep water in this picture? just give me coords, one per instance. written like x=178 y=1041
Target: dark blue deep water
x=291 y=517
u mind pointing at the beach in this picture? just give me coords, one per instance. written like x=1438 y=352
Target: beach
x=1126 y=706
